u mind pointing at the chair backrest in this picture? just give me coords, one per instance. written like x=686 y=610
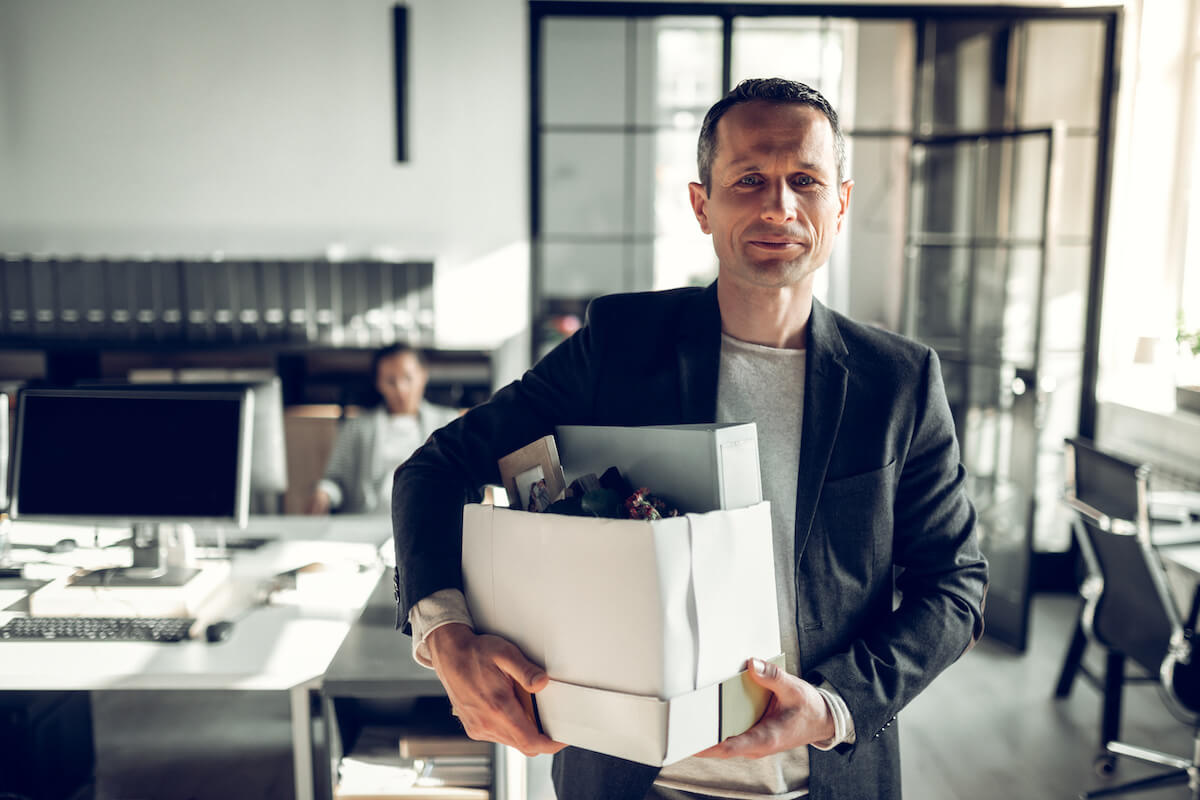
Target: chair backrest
x=1114 y=487
x=1134 y=612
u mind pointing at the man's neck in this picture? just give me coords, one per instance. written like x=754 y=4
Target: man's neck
x=766 y=316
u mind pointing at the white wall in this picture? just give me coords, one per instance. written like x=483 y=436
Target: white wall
x=266 y=128
x=1148 y=210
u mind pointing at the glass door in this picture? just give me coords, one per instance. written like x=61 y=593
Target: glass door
x=976 y=261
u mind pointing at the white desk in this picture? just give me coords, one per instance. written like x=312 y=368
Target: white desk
x=285 y=647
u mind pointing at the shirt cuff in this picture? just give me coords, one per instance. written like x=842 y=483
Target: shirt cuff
x=333 y=490
x=430 y=613
x=843 y=725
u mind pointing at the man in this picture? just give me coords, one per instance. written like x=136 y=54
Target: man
x=358 y=474
x=876 y=484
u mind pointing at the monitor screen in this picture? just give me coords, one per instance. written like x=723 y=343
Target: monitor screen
x=132 y=455
x=268 y=448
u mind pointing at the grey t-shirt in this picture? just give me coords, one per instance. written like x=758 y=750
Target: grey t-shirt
x=763 y=385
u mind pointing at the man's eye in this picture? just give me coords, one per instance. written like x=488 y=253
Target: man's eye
x=803 y=180
x=749 y=180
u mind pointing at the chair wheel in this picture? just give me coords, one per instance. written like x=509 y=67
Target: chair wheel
x=1105 y=764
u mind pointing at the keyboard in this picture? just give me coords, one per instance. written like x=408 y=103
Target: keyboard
x=112 y=629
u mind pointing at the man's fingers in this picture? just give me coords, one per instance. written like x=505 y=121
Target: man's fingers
x=525 y=673
x=764 y=673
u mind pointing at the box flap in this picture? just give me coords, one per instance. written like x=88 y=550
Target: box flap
x=642 y=729
x=736 y=606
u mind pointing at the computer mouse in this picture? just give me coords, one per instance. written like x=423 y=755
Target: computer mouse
x=63 y=546
x=218 y=631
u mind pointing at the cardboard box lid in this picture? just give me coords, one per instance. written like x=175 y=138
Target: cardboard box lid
x=646 y=608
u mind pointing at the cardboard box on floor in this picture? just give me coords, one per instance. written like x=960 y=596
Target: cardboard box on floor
x=643 y=626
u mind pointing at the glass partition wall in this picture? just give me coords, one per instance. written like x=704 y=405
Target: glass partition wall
x=980 y=166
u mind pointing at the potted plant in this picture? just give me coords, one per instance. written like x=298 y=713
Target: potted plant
x=1187 y=381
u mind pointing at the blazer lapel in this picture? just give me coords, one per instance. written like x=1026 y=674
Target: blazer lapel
x=824 y=398
x=700 y=357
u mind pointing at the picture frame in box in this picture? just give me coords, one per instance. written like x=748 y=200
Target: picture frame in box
x=520 y=468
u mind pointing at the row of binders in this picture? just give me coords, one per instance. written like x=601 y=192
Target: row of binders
x=214 y=301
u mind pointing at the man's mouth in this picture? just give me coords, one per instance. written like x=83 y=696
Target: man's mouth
x=770 y=244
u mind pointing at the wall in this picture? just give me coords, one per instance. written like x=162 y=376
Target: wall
x=266 y=128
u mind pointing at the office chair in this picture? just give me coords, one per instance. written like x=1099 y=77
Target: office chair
x=1110 y=485
x=1129 y=608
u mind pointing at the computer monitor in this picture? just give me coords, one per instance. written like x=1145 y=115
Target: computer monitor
x=268 y=445
x=133 y=456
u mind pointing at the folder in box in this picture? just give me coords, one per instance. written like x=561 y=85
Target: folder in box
x=693 y=467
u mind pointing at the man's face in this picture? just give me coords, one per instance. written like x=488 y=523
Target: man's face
x=400 y=378
x=775 y=205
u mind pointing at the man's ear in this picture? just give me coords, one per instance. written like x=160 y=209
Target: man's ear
x=843 y=201
x=699 y=199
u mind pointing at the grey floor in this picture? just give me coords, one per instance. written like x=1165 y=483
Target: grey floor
x=988 y=728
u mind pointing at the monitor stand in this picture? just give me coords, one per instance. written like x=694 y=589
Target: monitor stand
x=151 y=565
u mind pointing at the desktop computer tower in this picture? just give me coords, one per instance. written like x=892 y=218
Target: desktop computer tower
x=46 y=746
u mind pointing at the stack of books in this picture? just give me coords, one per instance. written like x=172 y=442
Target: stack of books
x=387 y=763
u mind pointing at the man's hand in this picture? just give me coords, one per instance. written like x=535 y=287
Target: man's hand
x=482 y=675
x=319 y=503
x=796 y=715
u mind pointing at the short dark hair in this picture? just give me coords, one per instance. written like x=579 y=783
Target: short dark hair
x=396 y=349
x=771 y=90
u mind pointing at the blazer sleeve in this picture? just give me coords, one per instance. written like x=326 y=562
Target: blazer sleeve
x=345 y=460
x=459 y=459
x=942 y=580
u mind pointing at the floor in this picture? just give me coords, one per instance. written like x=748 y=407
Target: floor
x=988 y=728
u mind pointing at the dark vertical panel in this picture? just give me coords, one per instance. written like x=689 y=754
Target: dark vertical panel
x=400 y=77
x=1095 y=284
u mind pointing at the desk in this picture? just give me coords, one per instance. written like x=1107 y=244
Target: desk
x=284 y=647
x=1182 y=565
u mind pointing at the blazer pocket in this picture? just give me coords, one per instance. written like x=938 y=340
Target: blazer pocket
x=856 y=519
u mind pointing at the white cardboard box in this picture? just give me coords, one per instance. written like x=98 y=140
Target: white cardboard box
x=636 y=622
x=695 y=467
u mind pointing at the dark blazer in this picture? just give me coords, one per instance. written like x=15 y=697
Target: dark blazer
x=889 y=578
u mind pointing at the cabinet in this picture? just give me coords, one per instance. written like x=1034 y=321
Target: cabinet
x=374 y=697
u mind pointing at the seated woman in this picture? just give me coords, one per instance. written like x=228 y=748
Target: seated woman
x=358 y=476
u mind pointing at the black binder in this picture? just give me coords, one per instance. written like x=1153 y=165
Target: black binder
x=42 y=296
x=326 y=302
x=119 y=282
x=220 y=278
x=424 y=278
x=197 y=304
x=271 y=303
x=299 y=301
x=354 y=307
x=379 y=327
x=168 y=292
x=247 y=321
x=95 y=299
x=17 y=298
x=144 y=300
x=72 y=309
x=404 y=303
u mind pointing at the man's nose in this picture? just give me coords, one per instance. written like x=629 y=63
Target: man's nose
x=779 y=204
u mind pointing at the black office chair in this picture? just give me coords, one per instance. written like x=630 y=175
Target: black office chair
x=1110 y=485
x=1129 y=607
